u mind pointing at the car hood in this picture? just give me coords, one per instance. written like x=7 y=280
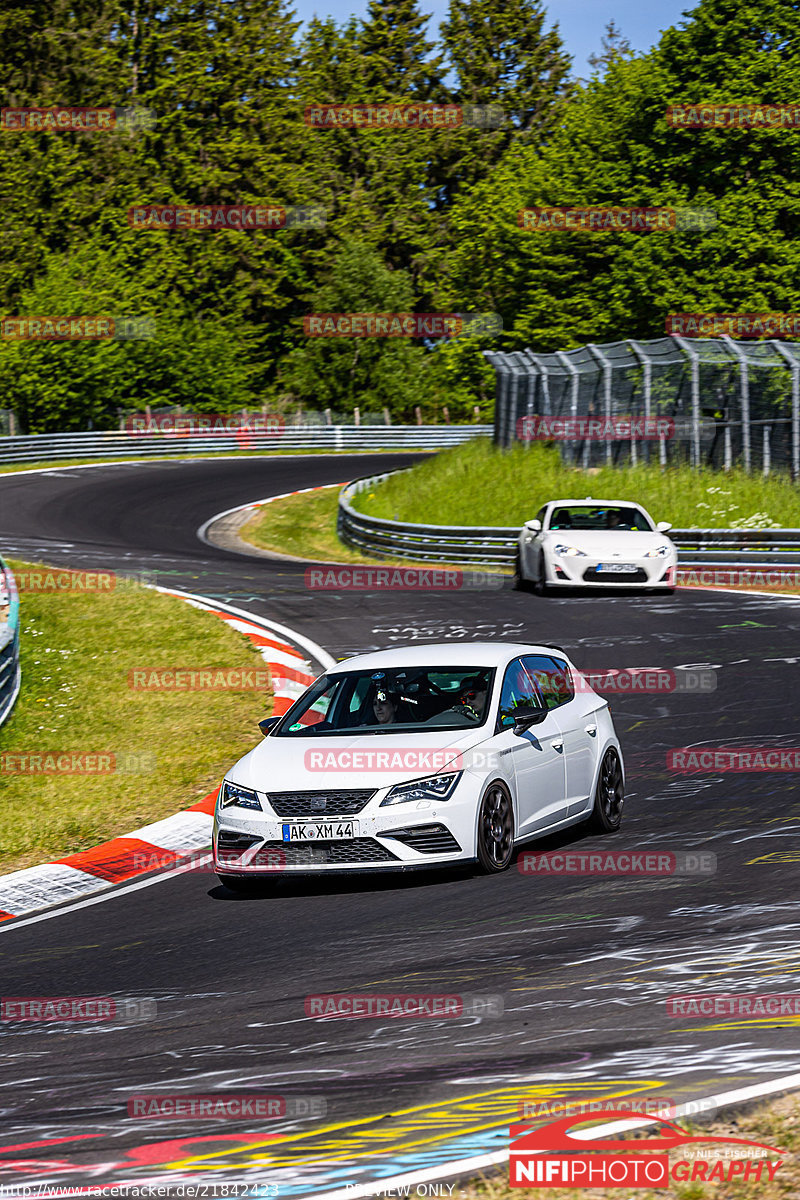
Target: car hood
x=286 y=764
x=608 y=543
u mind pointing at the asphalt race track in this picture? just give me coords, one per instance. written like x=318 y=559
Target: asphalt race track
x=583 y=964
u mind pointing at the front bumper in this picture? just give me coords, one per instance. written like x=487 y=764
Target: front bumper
x=569 y=572
x=398 y=837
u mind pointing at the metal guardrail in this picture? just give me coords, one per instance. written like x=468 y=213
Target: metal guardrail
x=46 y=447
x=496 y=545
x=10 y=673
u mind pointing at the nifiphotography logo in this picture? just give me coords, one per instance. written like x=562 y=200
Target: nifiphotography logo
x=559 y=1155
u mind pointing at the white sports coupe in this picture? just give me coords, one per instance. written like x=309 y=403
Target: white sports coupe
x=421 y=757
x=595 y=543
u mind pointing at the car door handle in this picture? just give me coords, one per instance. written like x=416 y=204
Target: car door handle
x=591 y=730
x=559 y=746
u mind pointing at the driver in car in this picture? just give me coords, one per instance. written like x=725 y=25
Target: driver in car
x=473 y=697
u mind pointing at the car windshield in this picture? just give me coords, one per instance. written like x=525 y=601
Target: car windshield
x=600 y=517
x=412 y=699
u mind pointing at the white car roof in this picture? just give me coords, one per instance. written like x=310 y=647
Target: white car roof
x=445 y=654
x=597 y=503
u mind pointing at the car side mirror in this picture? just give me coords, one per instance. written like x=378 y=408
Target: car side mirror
x=527 y=715
x=534 y=526
x=663 y=526
x=267 y=724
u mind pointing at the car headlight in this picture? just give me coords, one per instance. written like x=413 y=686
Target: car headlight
x=659 y=552
x=437 y=787
x=569 y=551
x=241 y=797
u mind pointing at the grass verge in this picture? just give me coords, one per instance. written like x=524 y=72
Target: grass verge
x=305 y=525
x=171 y=747
x=776 y=1124
x=478 y=484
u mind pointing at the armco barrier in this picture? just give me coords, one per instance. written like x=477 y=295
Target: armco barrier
x=9 y=641
x=761 y=549
x=47 y=447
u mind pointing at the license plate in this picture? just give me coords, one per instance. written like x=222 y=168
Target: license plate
x=618 y=568
x=319 y=831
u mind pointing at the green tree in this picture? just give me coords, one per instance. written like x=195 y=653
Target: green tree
x=342 y=372
x=615 y=147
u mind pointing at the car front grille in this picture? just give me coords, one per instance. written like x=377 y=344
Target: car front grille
x=427 y=839
x=349 y=850
x=591 y=575
x=316 y=804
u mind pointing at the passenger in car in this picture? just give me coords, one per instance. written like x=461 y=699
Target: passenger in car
x=384 y=706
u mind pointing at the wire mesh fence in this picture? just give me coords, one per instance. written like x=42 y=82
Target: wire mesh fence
x=702 y=401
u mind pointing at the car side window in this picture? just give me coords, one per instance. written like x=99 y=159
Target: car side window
x=553 y=677
x=518 y=689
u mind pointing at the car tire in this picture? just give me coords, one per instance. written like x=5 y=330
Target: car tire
x=609 y=795
x=520 y=584
x=541 y=580
x=495 y=829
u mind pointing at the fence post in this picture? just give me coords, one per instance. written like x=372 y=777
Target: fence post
x=728 y=452
x=744 y=394
x=328 y=416
x=794 y=366
x=766 y=454
x=356 y=415
x=694 y=359
x=606 y=365
x=647 y=387
x=476 y=413
x=446 y=414
x=418 y=414
x=573 y=404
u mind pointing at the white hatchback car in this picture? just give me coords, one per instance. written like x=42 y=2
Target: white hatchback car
x=595 y=543
x=421 y=757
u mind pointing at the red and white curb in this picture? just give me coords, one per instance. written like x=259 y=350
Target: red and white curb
x=294 y=661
